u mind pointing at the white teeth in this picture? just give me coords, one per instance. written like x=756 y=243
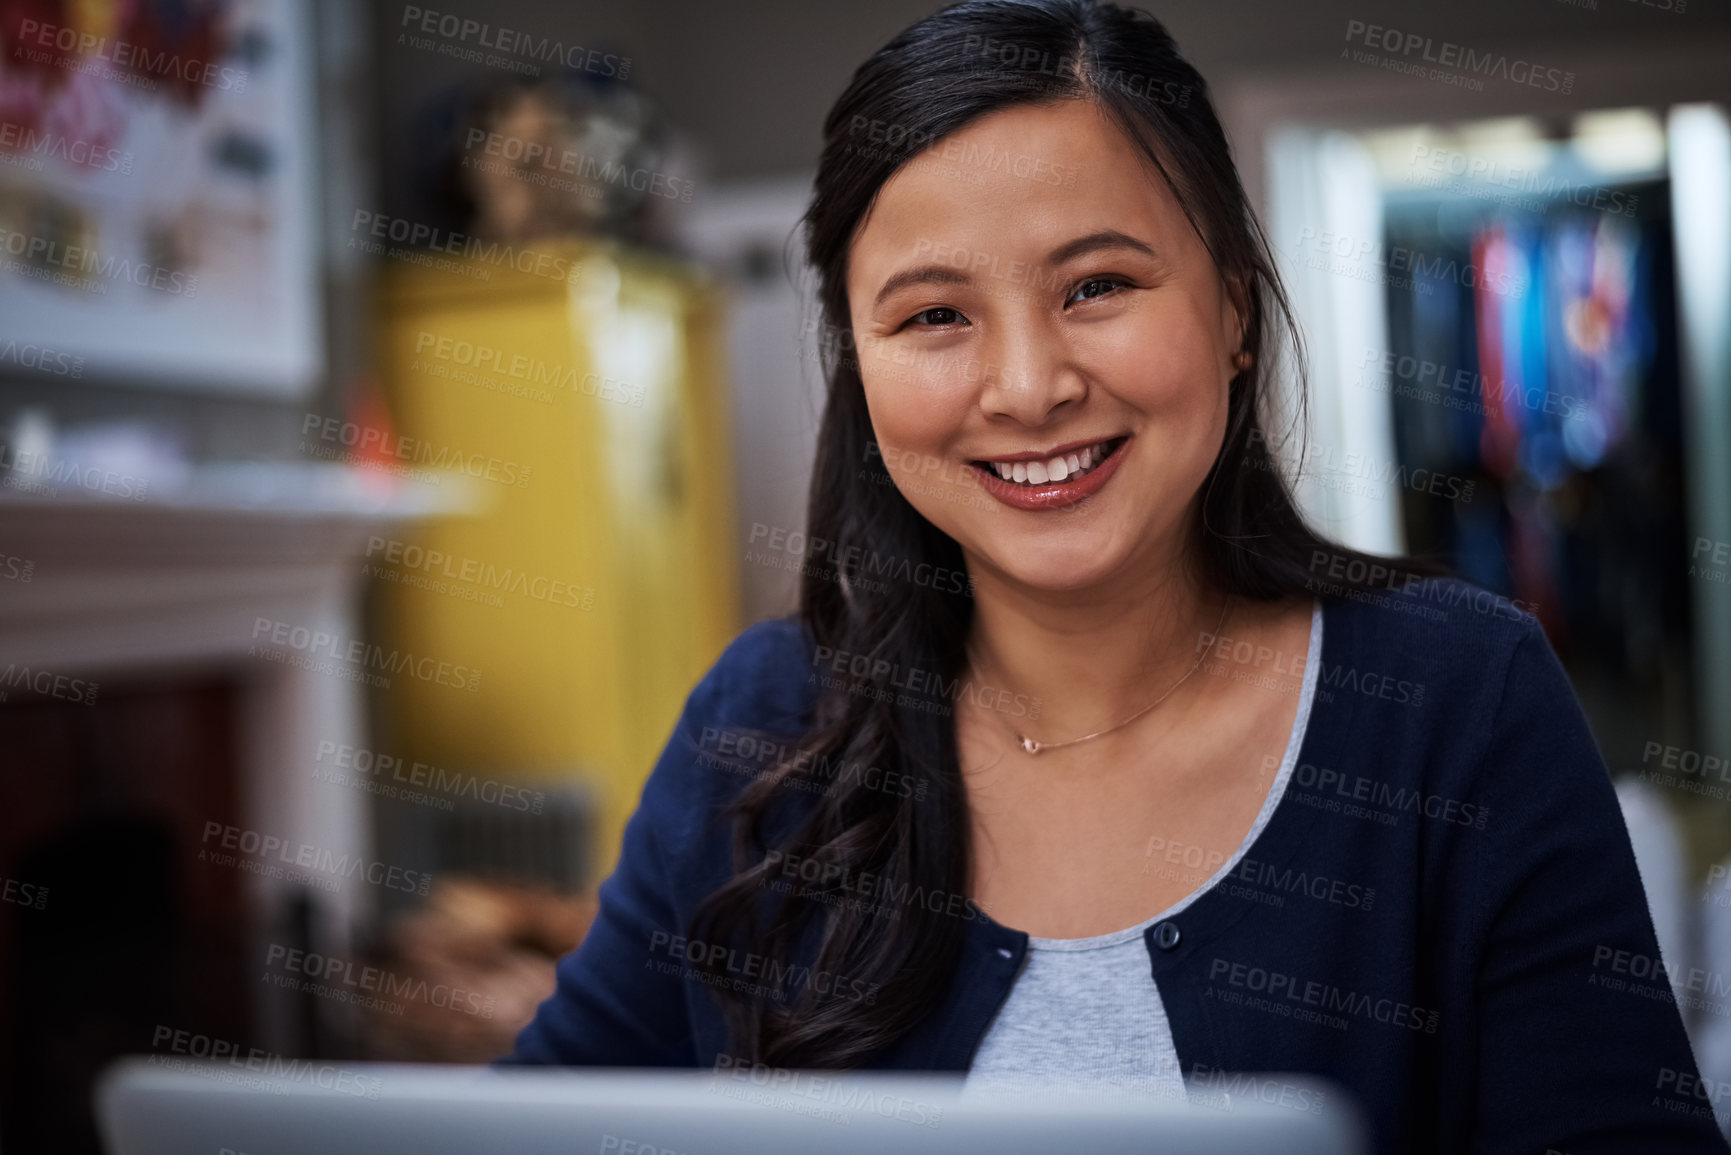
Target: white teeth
x=1060 y=468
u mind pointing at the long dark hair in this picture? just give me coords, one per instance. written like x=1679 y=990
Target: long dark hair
x=872 y=977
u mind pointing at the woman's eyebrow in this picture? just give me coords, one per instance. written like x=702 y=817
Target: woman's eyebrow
x=1068 y=251
x=1104 y=239
x=922 y=275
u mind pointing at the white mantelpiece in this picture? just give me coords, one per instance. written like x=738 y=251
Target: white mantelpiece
x=174 y=585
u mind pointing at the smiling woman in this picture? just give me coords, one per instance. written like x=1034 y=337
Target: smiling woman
x=1181 y=786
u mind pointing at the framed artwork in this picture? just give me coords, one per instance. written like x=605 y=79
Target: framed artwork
x=158 y=193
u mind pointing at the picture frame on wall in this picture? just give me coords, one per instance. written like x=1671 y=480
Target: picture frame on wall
x=159 y=193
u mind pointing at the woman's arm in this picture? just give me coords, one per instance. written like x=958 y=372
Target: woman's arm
x=625 y=996
x=1569 y=1060
x=614 y=1005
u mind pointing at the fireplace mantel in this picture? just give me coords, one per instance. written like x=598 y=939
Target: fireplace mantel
x=122 y=590
x=119 y=584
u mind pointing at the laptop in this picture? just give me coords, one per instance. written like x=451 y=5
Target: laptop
x=162 y=1105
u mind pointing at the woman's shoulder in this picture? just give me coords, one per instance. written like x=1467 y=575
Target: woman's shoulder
x=1448 y=674
x=1428 y=663
x=761 y=679
x=1443 y=624
x=739 y=720
x=752 y=702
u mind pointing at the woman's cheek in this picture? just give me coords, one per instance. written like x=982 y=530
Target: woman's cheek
x=912 y=375
x=1159 y=354
x=1170 y=380
x=919 y=405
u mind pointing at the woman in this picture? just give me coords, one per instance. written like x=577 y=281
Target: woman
x=1085 y=756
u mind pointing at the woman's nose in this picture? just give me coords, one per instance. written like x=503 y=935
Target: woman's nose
x=1026 y=375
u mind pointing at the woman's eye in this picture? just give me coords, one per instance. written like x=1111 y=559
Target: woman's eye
x=932 y=318
x=1096 y=287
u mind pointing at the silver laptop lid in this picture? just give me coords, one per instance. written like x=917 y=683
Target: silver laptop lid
x=153 y=1106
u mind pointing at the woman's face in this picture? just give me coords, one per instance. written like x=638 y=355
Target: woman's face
x=1028 y=295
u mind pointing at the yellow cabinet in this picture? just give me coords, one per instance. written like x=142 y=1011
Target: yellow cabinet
x=579 y=387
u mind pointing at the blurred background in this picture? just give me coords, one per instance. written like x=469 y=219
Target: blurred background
x=402 y=407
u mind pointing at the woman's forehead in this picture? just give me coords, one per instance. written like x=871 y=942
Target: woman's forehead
x=1017 y=184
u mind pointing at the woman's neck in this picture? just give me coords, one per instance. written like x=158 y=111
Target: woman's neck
x=1089 y=658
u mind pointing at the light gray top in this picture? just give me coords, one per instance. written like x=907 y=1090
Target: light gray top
x=1085 y=1012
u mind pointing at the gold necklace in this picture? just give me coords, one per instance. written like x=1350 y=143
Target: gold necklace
x=1034 y=747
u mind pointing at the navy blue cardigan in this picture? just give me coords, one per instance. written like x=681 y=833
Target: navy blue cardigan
x=1433 y=917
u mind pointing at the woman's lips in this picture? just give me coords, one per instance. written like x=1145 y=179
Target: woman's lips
x=1053 y=494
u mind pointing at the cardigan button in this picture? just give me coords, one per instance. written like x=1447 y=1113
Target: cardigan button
x=1166 y=935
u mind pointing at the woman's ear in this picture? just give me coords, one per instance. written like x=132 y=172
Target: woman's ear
x=1235 y=311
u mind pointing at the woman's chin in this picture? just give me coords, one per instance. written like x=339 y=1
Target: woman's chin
x=1062 y=571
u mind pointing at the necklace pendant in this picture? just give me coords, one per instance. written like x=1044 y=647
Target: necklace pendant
x=1028 y=744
